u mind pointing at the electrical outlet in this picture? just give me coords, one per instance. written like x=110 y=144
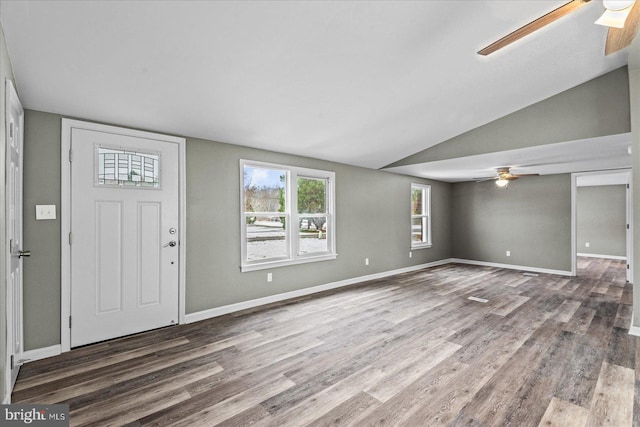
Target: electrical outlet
x=508 y=253
x=366 y=261
x=269 y=277
x=586 y=244
x=410 y=254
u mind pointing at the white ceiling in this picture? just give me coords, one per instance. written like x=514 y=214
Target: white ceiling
x=364 y=82
x=593 y=154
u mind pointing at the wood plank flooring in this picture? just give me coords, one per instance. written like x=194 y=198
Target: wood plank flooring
x=410 y=350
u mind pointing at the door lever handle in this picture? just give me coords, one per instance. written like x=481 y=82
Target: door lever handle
x=24 y=254
x=171 y=243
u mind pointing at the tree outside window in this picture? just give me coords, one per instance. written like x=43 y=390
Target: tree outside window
x=273 y=198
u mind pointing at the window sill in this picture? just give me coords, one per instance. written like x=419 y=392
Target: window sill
x=425 y=246
x=288 y=262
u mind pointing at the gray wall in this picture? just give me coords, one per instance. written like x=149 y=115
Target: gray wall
x=372 y=211
x=6 y=72
x=598 y=107
x=602 y=220
x=372 y=221
x=531 y=218
x=42 y=269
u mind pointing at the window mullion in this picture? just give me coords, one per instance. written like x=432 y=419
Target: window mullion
x=328 y=208
x=293 y=208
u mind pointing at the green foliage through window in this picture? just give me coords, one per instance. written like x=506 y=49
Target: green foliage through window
x=274 y=197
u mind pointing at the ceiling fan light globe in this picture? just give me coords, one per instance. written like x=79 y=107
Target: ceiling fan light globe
x=502 y=183
x=617 y=4
x=615 y=17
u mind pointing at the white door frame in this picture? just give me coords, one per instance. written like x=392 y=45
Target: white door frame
x=12 y=101
x=65 y=215
x=629 y=214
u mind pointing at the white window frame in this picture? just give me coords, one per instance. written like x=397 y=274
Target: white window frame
x=425 y=216
x=292 y=217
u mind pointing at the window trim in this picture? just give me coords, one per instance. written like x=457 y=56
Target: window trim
x=291 y=212
x=425 y=215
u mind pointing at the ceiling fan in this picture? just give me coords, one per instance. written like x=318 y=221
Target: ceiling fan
x=621 y=16
x=504 y=176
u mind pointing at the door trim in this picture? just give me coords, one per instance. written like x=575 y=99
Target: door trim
x=65 y=215
x=11 y=101
x=629 y=217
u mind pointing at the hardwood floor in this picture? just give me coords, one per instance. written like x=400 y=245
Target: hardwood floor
x=409 y=350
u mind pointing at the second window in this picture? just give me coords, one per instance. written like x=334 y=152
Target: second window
x=420 y=216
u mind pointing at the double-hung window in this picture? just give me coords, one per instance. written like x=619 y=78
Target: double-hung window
x=420 y=216
x=287 y=215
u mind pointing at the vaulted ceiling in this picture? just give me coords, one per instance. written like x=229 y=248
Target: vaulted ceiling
x=363 y=83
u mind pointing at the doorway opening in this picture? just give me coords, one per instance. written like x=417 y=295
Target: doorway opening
x=602 y=225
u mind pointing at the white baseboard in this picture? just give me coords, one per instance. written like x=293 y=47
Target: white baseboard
x=231 y=308
x=634 y=330
x=42 y=353
x=512 y=267
x=622 y=258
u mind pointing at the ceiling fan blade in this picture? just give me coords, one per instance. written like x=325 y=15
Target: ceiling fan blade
x=525 y=174
x=619 y=38
x=534 y=26
x=485 y=179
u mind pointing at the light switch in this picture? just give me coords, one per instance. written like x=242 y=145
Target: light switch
x=45 y=212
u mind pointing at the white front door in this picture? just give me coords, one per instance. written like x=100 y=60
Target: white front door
x=14 y=250
x=124 y=235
